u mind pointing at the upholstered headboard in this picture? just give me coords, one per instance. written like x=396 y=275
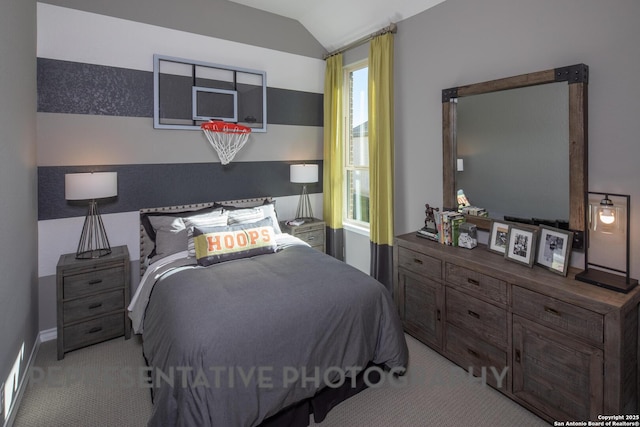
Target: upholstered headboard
x=147 y=243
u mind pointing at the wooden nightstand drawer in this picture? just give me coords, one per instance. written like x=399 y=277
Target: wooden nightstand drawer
x=77 y=285
x=93 y=305
x=419 y=263
x=477 y=317
x=313 y=237
x=478 y=283
x=93 y=331
x=312 y=231
x=558 y=314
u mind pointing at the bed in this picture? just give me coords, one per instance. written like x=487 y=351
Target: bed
x=265 y=333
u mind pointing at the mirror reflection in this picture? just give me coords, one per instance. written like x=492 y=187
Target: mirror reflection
x=513 y=149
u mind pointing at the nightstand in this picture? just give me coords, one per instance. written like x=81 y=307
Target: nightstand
x=311 y=231
x=92 y=299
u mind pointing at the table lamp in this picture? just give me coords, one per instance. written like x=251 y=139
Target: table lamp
x=304 y=174
x=91 y=186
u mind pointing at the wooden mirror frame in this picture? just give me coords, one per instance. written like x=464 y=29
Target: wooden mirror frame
x=577 y=77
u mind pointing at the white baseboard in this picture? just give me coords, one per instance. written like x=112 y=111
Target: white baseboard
x=43 y=336
x=48 y=335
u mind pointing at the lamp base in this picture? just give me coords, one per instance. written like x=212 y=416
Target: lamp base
x=93 y=239
x=607 y=280
x=304 y=210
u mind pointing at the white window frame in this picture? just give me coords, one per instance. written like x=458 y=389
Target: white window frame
x=348 y=223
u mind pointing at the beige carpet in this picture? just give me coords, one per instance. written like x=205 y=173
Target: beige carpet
x=436 y=393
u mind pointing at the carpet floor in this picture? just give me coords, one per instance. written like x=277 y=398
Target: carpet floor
x=435 y=392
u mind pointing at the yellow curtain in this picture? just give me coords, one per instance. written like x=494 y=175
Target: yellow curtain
x=333 y=156
x=381 y=155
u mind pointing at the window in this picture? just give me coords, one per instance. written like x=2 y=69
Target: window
x=356 y=156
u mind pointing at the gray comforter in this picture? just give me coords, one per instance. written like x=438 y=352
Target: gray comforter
x=234 y=343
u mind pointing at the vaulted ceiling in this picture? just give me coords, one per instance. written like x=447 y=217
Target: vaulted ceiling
x=335 y=23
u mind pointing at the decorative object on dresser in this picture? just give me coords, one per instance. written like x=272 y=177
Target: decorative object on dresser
x=92 y=298
x=304 y=174
x=521 y=244
x=311 y=231
x=498 y=232
x=468 y=235
x=92 y=186
x=554 y=249
x=608 y=233
x=561 y=348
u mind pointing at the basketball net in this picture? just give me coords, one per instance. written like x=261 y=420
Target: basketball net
x=226 y=138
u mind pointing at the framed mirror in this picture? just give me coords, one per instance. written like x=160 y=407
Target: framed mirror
x=550 y=138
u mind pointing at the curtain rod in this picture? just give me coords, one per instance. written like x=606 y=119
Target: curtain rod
x=392 y=28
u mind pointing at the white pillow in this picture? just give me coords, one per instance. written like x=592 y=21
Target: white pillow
x=251 y=215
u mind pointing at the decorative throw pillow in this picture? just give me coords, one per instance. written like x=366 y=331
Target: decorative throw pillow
x=249 y=215
x=218 y=244
x=170 y=236
x=212 y=219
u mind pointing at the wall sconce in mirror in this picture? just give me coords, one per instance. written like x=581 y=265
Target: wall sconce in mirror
x=608 y=221
x=92 y=186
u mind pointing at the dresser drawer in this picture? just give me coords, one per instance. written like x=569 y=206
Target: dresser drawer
x=312 y=237
x=419 y=263
x=76 y=285
x=93 y=305
x=93 y=331
x=472 y=353
x=477 y=317
x=558 y=314
x=477 y=283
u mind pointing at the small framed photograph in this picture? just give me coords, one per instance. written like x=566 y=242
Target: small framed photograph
x=521 y=244
x=554 y=249
x=498 y=237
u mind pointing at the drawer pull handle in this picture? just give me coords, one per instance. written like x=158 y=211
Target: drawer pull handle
x=517 y=356
x=95 y=329
x=95 y=305
x=473 y=282
x=438 y=314
x=95 y=281
x=417 y=261
x=473 y=353
x=473 y=314
x=311 y=238
x=551 y=311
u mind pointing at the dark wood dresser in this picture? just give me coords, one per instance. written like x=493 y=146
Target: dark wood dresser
x=92 y=299
x=570 y=349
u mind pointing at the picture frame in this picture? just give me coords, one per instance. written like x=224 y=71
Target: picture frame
x=498 y=237
x=554 y=249
x=521 y=244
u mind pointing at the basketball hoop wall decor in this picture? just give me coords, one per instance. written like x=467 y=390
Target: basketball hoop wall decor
x=226 y=138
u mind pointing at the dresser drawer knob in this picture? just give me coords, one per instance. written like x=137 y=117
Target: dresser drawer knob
x=473 y=353
x=94 y=281
x=95 y=329
x=417 y=261
x=517 y=356
x=473 y=282
x=473 y=314
x=311 y=238
x=551 y=311
x=95 y=305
